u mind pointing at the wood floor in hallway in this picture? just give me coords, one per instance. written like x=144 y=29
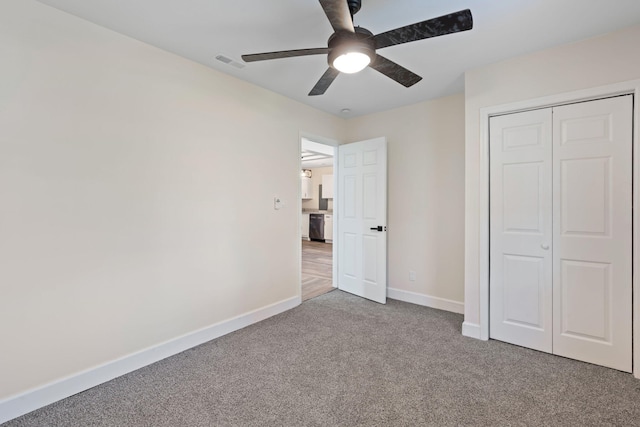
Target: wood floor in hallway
x=317 y=269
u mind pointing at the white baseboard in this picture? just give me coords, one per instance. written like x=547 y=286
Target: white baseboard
x=31 y=400
x=426 y=300
x=471 y=330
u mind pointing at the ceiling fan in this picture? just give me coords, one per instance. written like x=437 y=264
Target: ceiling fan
x=351 y=49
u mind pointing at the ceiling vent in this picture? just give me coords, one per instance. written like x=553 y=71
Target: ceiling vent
x=230 y=61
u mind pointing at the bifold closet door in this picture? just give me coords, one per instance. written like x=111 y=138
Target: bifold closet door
x=521 y=229
x=592 y=239
x=561 y=230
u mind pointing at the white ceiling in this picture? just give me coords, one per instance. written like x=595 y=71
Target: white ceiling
x=202 y=29
x=315 y=154
x=312 y=160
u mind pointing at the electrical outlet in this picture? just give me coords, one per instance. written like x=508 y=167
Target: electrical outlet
x=412 y=275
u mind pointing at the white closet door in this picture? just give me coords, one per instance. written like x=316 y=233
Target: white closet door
x=592 y=240
x=521 y=229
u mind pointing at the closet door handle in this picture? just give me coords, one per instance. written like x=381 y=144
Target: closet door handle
x=544 y=246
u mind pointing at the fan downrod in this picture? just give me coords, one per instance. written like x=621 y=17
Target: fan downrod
x=354 y=6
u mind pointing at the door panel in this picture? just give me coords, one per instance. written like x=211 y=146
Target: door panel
x=362 y=185
x=520 y=229
x=349 y=199
x=585 y=300
x=586 y=205
x=522 y=197
x=370 y=196
x=370 y=259
x=596 y=128
x=593 y=234
x=524 y=282
x=348 y=263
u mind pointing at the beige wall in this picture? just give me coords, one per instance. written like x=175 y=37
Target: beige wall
x=425 y=193
x=316 y=180
x=608 y=59
x=127 y=212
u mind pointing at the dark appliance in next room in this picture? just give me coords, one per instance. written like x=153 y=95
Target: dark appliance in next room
x=323 y=204
x=316 y=227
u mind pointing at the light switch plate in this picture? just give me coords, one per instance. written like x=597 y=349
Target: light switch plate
x=277 y=203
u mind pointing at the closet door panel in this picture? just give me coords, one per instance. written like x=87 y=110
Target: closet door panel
x=520 y=229
x=592 y=258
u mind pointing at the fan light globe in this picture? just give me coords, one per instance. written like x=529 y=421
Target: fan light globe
x=351 y=62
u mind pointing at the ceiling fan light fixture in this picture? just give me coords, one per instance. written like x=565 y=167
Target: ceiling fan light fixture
x=351 y=48
x=351 y=52
x=351 y=62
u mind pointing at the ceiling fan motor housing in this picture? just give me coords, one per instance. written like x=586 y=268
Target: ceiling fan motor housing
x=342 y=42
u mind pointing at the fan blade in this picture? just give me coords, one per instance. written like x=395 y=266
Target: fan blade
x=284 y=54
x=447 y=24
x=325 y=81
x=394 y=71
x=339 y=15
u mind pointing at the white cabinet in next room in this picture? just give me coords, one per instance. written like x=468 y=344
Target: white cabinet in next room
x=328 y=228
x=307 y=188
x=327 y=186
x=304 y=226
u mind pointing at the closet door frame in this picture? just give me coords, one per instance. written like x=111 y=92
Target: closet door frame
x=481 y=331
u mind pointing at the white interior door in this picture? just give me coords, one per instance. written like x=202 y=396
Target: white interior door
x=362 y=219
x=592 y=218
x=521 y=229
x=561 y=230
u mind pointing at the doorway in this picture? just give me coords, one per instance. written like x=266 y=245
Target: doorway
x=317 y=161
x=357 y=191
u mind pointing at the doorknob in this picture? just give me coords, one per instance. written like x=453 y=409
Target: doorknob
x=378 y=228
x=544 y=246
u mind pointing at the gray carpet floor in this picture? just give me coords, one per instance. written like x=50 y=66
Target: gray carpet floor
x=339 y=360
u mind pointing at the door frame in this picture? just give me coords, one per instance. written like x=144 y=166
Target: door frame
x=332 y=143
x=625 y=88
